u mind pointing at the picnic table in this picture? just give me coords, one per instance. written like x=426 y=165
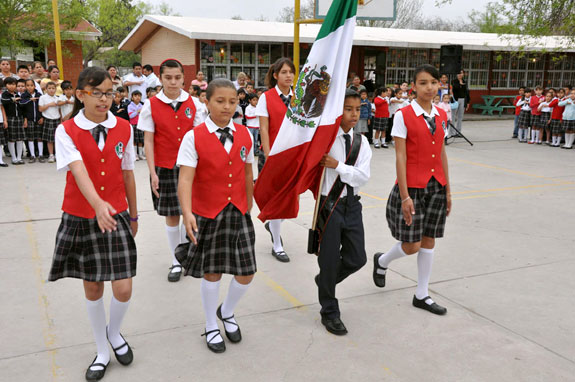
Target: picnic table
x=495 y=103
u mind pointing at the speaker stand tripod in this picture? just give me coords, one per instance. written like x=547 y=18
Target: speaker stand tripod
x=458 y=134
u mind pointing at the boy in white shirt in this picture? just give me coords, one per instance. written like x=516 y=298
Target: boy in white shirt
x=66 y=100
x=252 y=121
x=48 y=106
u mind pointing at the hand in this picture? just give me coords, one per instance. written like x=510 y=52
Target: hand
x=467 y=107
x=5 y=124
x=250 y=205
x=155 y=184
x=191 y=226
x=41 y=121
x=266 y=153
x=25 y=124
x=134 y=226
x=408 y=211
x=328 y=161
x=448 y=204
x=106 y=221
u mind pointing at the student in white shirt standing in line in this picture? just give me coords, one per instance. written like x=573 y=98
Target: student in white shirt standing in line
x=136 y=81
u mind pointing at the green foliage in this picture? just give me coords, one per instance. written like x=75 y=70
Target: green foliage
x=493 y=20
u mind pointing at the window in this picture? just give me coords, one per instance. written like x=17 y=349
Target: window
x=560 y=71
x=510 y=71
x=476 y=66
x=398 y=66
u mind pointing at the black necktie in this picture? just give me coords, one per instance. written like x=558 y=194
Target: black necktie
x=225 y=134
x=431 y=122
x=347 y=152
x=96 y=133
x=286 y=100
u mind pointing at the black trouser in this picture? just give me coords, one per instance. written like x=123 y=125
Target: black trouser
x=370 y=131
x=388 y=137
x=341 y=252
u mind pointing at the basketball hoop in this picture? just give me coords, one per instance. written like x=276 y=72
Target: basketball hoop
x=366 y=9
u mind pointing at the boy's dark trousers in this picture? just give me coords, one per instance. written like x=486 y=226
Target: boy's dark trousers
x=370 y=131
x=341 y=252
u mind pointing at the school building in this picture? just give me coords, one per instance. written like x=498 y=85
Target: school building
x=223 y=48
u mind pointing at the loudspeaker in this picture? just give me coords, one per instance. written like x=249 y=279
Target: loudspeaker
x=451 y=59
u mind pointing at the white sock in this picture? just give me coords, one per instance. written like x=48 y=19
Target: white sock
x=19 y=149
x=183 y=234
x=394 y=253
x=117 y=312
x=275 y=229
x=571 y=139
x=210 y=293
x=12 y=149
x=532 y=135
x=235 y=293
x=2 y=154
x=424 y=263
x=538 y=136
x=97 y=315
x=173 y=241
x=31 y=148
x=40 y=149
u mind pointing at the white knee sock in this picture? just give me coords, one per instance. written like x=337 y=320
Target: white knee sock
x=19 y=149
x=394 y=253
x=532 y=135
x=424 y=264
x=31 y=148
x=97 y=315
x=538 y=136
x=40 y=149
x=117 y=312
x=173 y=241
x=235 y=293
x=275 y=229
x=1 y=153
x=210 y=293
x=12 y=149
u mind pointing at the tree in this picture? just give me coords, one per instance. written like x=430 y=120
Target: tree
x=307 y=11
x=492 y=20
x=408 y=16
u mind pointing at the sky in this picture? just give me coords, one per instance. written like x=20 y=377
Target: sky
x=251 y=9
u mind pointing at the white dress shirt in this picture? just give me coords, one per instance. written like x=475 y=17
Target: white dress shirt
x=67 y=152
x=252 y=120
x=53 y=112
x=400 y=130
x=131 y=77
x=188 y=155
x=356 y=175
x=146 y=120
x=152 y=80
x=262 y=108
x=67 y=107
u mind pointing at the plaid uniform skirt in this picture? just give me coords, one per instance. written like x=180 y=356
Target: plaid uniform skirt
x=49 y=130
x=535 y=121
x=380 y=124
x=16 y=130
x=138 y=135
x=524 y=120
x=568 y=125
x=544 y=119
x=226 y=244
x=3 y=133
x=556 y=127
x=430 y=205
x=31 y=131
x=84 y=252
x=167 y=204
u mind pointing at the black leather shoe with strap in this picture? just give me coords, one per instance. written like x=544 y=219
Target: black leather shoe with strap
x=378 y=278
x=96 y=375
x=433 y=307
x=126 y=358
x=175 y=273
x=235 y=336
x=218 y=347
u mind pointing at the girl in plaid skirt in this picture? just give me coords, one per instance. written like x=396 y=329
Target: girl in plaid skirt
x=215 y=191
x=15 y=120
x=33 y=131
x=524 y=121
x=381 y=120
x=420 y=201
x=556 y=116
x=165 y=119
x=3 y=126
x=95 y=240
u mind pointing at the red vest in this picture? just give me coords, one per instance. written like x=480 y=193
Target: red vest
x=220 y=177
x=534 y=103
x=517 y=108
x=170 y=128
x=557 y=112
x=104 y=168
x=276 y=111
x=423 y=149
x=381 y=107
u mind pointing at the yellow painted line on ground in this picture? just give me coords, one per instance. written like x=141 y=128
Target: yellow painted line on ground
x=282 y=291
x=373 y=196
x=451 y=159
x=514 y=188
x=43 y=302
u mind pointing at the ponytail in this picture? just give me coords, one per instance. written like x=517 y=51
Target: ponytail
x=276 y=68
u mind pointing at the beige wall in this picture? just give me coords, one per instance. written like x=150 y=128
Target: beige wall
x=167 y=44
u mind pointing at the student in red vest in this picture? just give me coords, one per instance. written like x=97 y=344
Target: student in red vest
x=165 y=119
x=271 y=110
x=216 y=194
x=556 y=117
x=536 y=125
x=95 y=240
x=381 y=119
x=420 y=201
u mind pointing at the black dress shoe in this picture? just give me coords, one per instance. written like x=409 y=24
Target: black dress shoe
x=378 y=279
x=234 y=337
x=334 y=326
x=96 y=375
x=267 y=227
x=281 y=256
x=175 y=276
x=126 y=358
x=3 y=164
x=433 y=308
x=219 y=347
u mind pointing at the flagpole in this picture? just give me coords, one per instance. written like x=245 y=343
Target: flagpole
x=317 y=201
x=296 y=23
x=57 y=42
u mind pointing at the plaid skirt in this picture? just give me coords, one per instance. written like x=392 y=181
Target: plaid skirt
x=556 y=127
x=49 y=130
x=568 y=125
x=138 y=136
x=31 y=131
x=226 y=244
x=544 y=119
x=430 y=205
x=16 y=130
x=167 y=204
x=84 y=252
x=535 y=121
x=524 y=120
x=3 y=133
x=380 y=124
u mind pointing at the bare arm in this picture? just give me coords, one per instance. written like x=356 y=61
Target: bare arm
x=185 y=181
x=250 y=186
x=265 y=134
x=130 y=187
x=149 y=150
x=446 y=172
x=401 y=170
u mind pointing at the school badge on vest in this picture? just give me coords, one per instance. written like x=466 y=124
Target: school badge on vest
x=120 y=150
x=443 y=126
x=243 y=153
x=188 y=113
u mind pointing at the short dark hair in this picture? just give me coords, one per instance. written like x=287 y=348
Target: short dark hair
x=521 y=87
x=50 y=83
x=21 y=80
x=538 y=87
x=9 y=80
x=426 y=68
x=171 y=63
x=148 y=67
x=349 y=93
x=218 y=83
x=136 y=92
x=196 y=89
x=363 y=91
x=150 y=89
x=66 y=85
x=252 y=96
x=528 y=90
x=22 y=67
x=120 y=89
x=135 y=64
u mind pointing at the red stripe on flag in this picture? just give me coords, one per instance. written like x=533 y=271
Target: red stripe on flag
x=290 y=173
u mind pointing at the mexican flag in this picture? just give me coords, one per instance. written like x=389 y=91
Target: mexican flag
x=312 y=120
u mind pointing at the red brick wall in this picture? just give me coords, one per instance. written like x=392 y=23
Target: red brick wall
x=72 y=57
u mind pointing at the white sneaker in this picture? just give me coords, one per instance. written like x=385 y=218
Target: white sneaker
x=51 y=159
x=142 y=157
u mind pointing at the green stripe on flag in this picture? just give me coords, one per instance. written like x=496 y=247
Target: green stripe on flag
x=338 y=13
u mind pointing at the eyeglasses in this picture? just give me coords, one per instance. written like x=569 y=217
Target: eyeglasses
x=99 y=94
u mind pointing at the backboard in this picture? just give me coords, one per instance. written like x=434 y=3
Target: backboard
x=366 y=9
